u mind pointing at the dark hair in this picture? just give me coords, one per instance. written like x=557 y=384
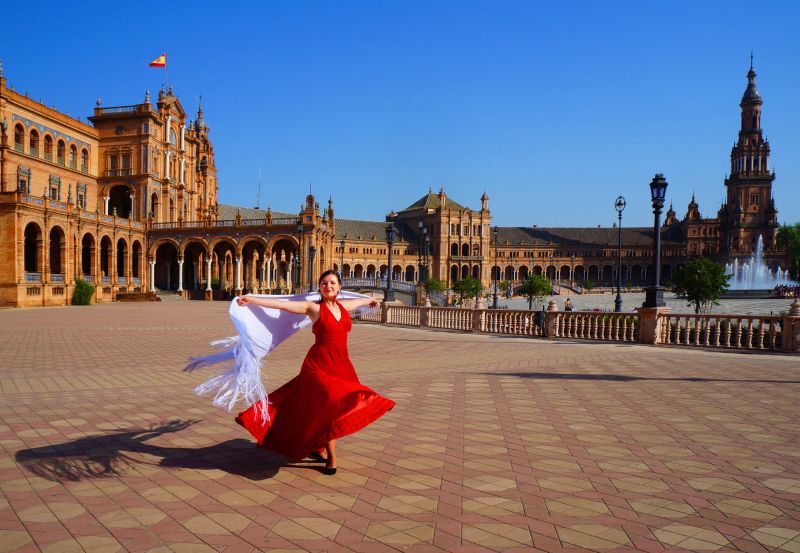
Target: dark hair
x=328 y=273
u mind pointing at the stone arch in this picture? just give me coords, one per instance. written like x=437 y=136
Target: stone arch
x=666 y=272
x=122 y=258
x=48 y=146
x=465 y=250
x=508 y=274
x=58 y=249
x=358 y=271
x=636 y=274
x=563 y=273
x=136 y=259
x=33 y=248
x=464 y=272
x=158 y=242
x=523 y=272
x=594 y=273
x=154 y=206
x=476 y=272
x=106 y=250
x=166 y=268
x=19 y=137
x=119 y=201
x=453 y=249
x=453 y=273
x=608 y=275
x=537 y=270
x=411 y=274
x=88 y=255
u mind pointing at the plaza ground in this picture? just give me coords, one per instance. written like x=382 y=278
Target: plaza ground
x=496 y=444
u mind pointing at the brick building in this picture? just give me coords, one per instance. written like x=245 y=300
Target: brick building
x=129 y=203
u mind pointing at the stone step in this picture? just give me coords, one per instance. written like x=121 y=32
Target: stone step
x=169 y=295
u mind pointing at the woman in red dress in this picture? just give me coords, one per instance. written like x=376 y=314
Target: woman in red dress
x=325 y=401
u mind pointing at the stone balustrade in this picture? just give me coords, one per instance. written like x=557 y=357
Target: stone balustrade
x=770 y=333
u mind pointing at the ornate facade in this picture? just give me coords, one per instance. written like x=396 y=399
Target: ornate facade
x=129 y=203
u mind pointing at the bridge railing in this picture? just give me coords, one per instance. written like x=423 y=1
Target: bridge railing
x=769 y=333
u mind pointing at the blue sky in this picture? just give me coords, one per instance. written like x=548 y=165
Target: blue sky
x=552 y=108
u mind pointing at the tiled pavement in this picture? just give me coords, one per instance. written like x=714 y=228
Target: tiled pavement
x=496 y=444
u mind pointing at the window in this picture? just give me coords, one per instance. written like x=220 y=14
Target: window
x=34 y=144
x=61 y=152
x=48 y=147
x=19 y=138
x=24 y=180
x=84 y=161
x=55 y=188
x=73 y=157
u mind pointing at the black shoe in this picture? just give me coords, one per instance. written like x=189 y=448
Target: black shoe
x=317 y=456
x=330 y=471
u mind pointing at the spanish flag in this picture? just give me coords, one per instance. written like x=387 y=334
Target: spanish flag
x=160 y=61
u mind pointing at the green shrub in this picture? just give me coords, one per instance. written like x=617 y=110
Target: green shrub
x=82 y=295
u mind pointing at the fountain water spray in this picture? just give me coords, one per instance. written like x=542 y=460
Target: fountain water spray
x=754 y=274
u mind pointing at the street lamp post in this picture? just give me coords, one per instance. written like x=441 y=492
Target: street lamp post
x=495 y=270
x=389 y=293
x=552 y=286
x=423 y=251
x=619 y=205
x=654 y=295
x=341 y=266
x=312 y=253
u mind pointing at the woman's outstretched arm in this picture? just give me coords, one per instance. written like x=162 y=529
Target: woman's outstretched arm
x=301 y=307
x=349 y=305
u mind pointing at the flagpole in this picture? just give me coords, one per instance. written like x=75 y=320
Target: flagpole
x=166 y=68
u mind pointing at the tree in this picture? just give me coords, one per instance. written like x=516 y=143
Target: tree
x=701 y=281
x=83 y=292
x=535 y=288
x=435 y=285
x=468 y=287
x=789 y=240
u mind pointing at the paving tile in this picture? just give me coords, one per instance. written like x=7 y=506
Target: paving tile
x=496 y=443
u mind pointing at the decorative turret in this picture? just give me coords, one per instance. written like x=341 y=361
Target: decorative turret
x=671 y=217
x=200 y=123
x=484 y=202
x=692 y=210
x=442 y=198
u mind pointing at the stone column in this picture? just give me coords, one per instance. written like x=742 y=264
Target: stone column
x=180 y=274
x=238 y=274
x=268 y=271
x=169 y=283
x=208 y=274
x=649 y=324
x=105 y=203
x=153 y=275
x=133 y=207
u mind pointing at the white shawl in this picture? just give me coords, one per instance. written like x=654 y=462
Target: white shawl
x=260 y=330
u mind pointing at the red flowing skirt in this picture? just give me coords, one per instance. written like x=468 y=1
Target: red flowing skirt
x=324 y=402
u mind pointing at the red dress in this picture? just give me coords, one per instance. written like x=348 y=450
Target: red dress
x=324 y=402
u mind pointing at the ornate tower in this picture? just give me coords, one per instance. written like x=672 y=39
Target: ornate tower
x=750 y=209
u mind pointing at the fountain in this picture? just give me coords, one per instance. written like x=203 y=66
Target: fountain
x=754 y=275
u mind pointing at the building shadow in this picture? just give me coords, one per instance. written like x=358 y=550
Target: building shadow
x=630 y=378
x=114 y=453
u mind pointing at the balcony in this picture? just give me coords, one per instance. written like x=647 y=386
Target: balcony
x=19 y=148
x=48 y=156
x=88 y=278
x=118 y=109
x=105 y=280
x=34 y=152
x=466 y=257
x=122 y=280
x=33 y=277
x=84 y=169
x=118 y=172
x=61 y=161
x=57 y=277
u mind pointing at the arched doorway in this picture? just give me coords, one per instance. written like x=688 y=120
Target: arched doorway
x=105 y=259
x=33 y=248
x=410 y=274
x=136 y=262
x=119 y=201
x=87 y=257
x=166 y=269
x=57 y=247
x=122 y=261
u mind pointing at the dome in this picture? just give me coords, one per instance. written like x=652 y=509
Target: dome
x=751 y=93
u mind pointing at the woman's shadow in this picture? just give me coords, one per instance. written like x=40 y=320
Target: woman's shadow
x=111 y=454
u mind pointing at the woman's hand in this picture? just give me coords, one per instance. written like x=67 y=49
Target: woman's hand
x=241 y=301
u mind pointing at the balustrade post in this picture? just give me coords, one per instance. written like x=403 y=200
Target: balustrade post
x=424 y=315
x=385 y=313
x=477 y=316
x=791 y=329
x=650 y=324
x=551 y=320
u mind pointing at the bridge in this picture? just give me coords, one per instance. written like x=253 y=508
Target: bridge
x=404 y=291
